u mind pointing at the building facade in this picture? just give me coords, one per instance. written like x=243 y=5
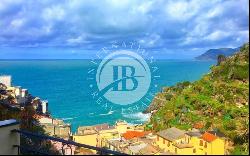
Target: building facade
x=6 y=80
x=176 y=141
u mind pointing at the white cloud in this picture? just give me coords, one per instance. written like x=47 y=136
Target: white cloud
x=145 y=7
x=182 y=10
x=217 y=35
x=17 y=23
x=76 y=40
x=53 y=13
x=214 y=12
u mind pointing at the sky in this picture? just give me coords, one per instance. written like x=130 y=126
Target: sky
x=69 y=29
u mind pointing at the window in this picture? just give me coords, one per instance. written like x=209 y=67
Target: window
x=157 y=138
x=163 y=141
x=194 y=150
x=175 y=150
x=168 y=143
x=205 y=145
x=201 y=142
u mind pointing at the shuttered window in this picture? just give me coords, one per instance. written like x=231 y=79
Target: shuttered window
x=201 y=142
x=194 y=150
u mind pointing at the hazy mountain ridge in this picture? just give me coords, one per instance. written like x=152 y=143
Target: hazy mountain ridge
x=212 y=54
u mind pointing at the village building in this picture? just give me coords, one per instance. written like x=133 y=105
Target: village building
x=134 y=143
x=193 y=142
x=41 y=106
x=6 y=80
x=95 y=135
x=212 y=145
x=118 y=137
x=54 y=127
x=173 y=140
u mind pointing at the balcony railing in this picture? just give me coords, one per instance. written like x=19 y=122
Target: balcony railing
x=16 y=148
x=67 y=142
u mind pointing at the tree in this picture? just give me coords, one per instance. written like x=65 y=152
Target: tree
x=220 y=59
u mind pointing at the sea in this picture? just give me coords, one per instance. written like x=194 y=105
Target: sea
x=65 y=84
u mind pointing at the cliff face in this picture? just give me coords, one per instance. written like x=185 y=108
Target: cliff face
x=212 y=54
x=217 y=101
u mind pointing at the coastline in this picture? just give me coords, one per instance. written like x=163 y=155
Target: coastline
x=43 y=114
x=53 y=85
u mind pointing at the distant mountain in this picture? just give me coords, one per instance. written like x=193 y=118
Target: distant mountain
x=212 y=54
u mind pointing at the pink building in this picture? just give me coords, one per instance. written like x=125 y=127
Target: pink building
x=63 y=148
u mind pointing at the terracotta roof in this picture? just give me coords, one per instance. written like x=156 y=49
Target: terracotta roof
x=134 y=134
x=208 y=137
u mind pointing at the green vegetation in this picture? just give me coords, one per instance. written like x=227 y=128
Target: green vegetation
x=219 y=100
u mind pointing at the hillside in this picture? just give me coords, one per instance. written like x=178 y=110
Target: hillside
x=212 y=54
x=218 y=101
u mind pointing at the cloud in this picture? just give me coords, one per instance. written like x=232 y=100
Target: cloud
x=53 y=13
x=77 y=40
x=182 y=10
x=17 y=23
x=156 y=24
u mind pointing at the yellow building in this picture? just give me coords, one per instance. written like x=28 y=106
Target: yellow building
x=87 y=136
x=206 y=144
x=102 y=134
x=121 y=126
x=194 y=138
x=212 y=145
x=176 y=141
x=220 y=135
x=173 y=141
x=95 y=135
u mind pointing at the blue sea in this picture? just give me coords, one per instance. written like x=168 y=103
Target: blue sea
x=65 y=84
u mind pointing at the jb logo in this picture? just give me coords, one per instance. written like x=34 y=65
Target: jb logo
x=123 y=77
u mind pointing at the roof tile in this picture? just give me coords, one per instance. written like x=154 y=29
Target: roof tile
x=208 y=137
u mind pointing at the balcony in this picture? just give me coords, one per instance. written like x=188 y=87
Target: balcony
x=10 y=136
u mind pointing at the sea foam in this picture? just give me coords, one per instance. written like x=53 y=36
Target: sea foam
x=139 y=116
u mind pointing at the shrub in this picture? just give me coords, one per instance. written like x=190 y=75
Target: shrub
x=229 y=125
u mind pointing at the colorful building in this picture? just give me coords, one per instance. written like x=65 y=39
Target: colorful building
x=120 y=137
x=6 y=80
x=95 y=135
x=193 y=142
x=212 y=145
x=173 y=140
x=54 y=127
